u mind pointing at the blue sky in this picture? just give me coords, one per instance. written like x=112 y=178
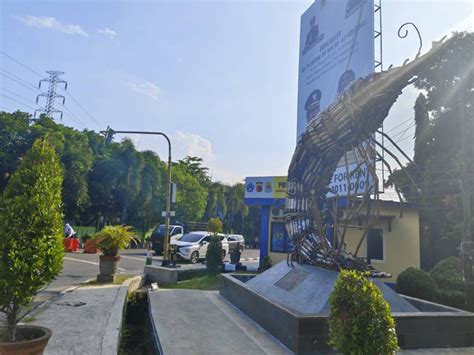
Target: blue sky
x=219 y=76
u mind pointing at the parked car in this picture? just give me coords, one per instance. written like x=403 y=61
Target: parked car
x=193 y=246
x=158 y=236
x=234 y=240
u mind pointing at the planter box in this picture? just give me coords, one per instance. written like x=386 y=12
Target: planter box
x=90 y=247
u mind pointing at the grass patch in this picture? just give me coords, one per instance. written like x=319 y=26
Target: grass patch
x=205 y=283
x=245 y=272
x=135 y=338
x=119 y=279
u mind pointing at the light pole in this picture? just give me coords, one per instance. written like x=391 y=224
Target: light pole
x=109 y=134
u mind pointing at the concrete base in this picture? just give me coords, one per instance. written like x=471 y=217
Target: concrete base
x=202 y=322
x=306 y=289
x=160 y=274
x=300 y=319
x=105 y=278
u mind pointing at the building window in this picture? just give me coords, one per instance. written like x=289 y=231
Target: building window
x=375 y=248
x=279 y=240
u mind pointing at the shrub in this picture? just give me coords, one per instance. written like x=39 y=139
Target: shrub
x=360 y=321
x=214 y=255
x=449 y=280
x=447 y=276
x=416 y=283
x=111 y=239
x=214 y=225
x=451 y=298
x=214 y=249
x=31 y=231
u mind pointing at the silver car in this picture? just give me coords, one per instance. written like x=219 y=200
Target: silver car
x=193 y=246
x=235 y=240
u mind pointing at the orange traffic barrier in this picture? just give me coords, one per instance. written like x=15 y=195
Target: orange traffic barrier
x=71 y=244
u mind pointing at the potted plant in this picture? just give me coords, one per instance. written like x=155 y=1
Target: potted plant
x=31 y=244
x=110 y=240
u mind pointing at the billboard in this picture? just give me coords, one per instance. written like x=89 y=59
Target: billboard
x=336 y=47
x=265 y=187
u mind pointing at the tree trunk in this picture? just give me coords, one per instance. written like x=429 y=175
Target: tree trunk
x=123 y=213
x=12 y=323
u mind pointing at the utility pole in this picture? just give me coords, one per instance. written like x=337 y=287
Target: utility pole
x=467 y=244
x=51 y=94
x=109 y=134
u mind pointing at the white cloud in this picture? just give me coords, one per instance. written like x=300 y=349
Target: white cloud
x=52 y=23
x=194 y=145
x=108 y=32
x=146 y=88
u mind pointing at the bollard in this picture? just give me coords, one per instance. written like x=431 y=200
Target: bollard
x=149 y=257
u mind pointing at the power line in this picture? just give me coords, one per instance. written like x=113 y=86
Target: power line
x=74 y=117
x=21 y=97
x=6 y=75
x=8 y=108
x=18 y=80
x=402 y=123
x=20 y=63
x=9 y=98
x=99 y=124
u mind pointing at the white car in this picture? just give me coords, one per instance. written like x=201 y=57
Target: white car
x=193 y=246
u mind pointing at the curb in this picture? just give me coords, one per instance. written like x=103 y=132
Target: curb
x=154 y=331
x=111 y=339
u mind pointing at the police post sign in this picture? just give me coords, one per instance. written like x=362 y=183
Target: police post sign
x=336 y=47
x=265 y=187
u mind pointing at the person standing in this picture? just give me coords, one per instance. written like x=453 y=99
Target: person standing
x=68 y=231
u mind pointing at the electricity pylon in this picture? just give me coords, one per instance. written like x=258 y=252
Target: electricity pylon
x=51 y=95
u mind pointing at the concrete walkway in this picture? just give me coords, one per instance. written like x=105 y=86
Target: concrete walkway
x=85 y=320
x=202 y=322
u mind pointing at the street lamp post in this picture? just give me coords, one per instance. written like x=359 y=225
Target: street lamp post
x=109 y=134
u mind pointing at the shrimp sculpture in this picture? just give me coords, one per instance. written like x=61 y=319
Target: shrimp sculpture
x=346 y=124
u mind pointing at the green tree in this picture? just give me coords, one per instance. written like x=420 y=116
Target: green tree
x=216 y=206
x=77 y=159
x=129 y=183
x=194 y=165
x=441 y=118
x=14 y=142
x=31 y=230
x=191 y=195
x=147 y=207
x=236 y=208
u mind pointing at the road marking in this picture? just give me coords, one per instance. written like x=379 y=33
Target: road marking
x=132 y=257
x=89 y=262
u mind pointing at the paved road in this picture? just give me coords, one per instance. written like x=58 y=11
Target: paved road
x=80 y=267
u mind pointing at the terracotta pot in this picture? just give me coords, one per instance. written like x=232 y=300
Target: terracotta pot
x=109 y=264
x=38 y=336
